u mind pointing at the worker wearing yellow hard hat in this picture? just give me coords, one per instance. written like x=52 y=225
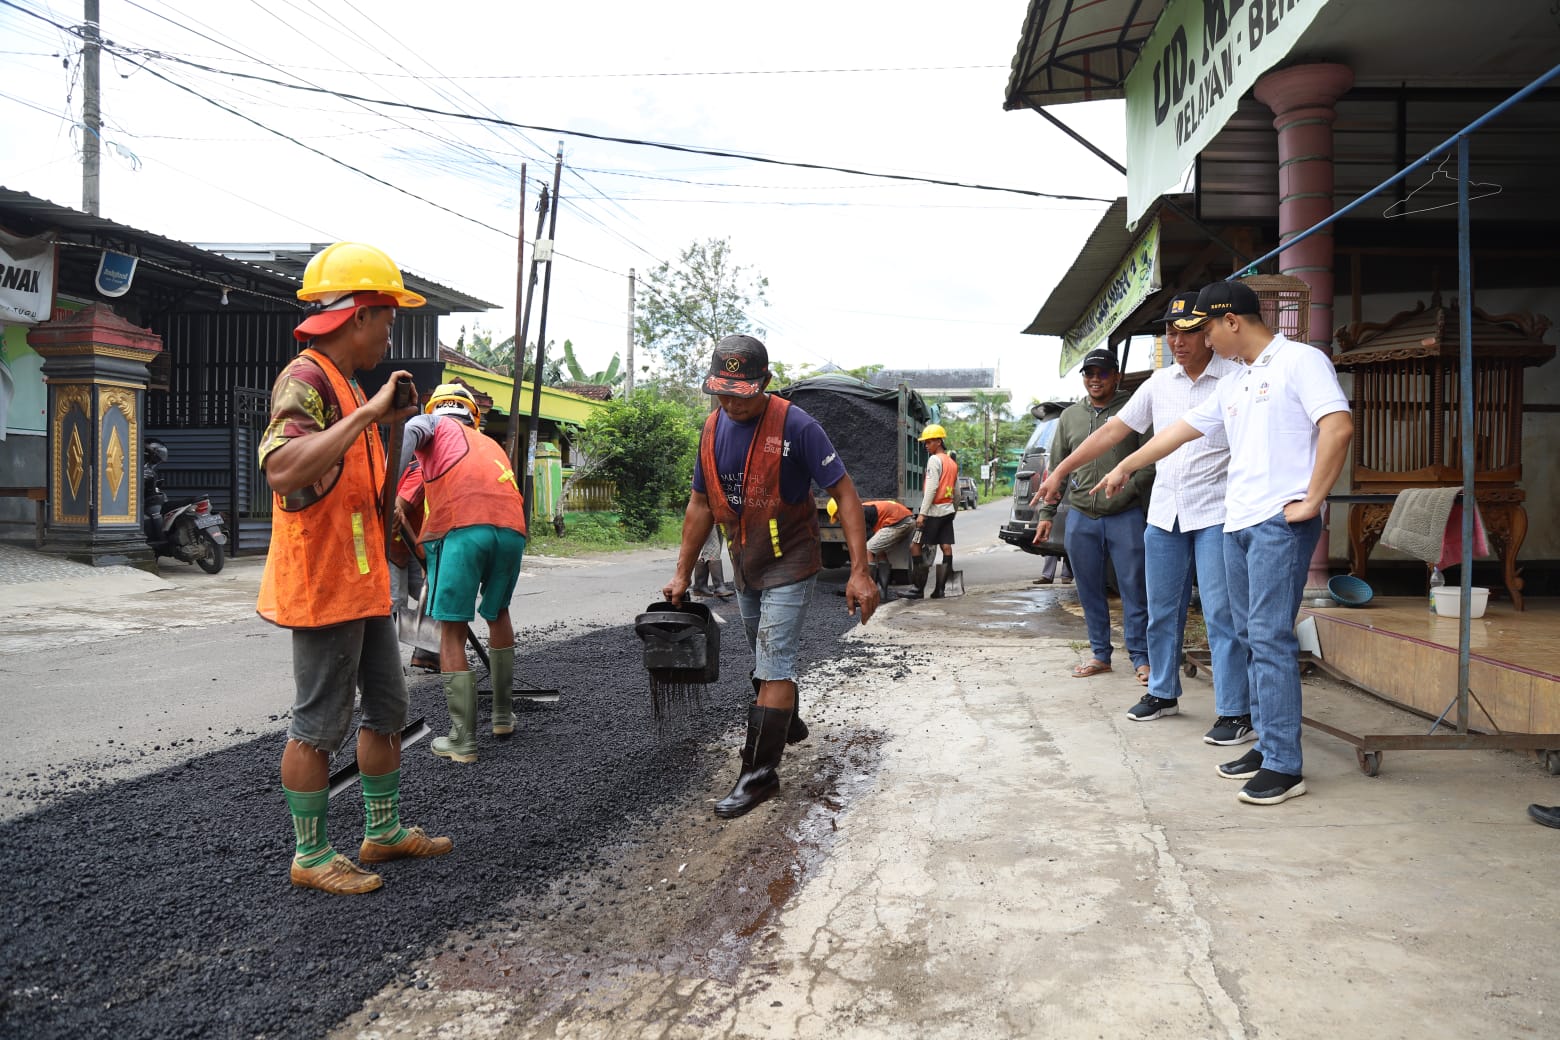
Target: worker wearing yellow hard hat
x=934 y=521
x=344 y=277
x=326 y=573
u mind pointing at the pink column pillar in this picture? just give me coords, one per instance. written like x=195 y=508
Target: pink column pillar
x=1302 y=99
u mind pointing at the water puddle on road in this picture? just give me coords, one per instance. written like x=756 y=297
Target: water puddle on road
x=1029 y=613
x=690 y=899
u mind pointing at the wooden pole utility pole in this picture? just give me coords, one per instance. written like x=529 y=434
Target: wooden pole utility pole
x=545 y=256
x=512 y=438
x=91 y=110
x=628 y=375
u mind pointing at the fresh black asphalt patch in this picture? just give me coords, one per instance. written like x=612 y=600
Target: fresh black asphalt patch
x=160 y=906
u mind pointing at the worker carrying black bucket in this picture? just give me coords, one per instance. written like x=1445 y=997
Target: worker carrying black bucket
x=759 y=456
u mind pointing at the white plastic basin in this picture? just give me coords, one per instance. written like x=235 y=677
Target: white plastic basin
x=1448 y=600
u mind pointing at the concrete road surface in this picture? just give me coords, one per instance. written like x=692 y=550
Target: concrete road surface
x=972 y=844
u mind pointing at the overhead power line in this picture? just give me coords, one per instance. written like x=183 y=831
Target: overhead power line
x=130 y=55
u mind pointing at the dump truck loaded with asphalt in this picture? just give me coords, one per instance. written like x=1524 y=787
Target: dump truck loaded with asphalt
x=876 y=430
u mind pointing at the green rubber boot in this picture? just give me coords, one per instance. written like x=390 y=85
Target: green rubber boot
x=460 y=692
x=503 y=662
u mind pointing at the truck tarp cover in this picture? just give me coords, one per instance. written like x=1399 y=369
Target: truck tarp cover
x=862 y=421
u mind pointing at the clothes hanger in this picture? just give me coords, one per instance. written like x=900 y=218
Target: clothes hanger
x=1485 y=190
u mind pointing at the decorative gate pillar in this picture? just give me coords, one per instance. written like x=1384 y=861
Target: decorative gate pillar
x=95 y=367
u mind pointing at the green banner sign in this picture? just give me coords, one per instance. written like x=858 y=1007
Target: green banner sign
x=1201 y=59
x=1135 y=280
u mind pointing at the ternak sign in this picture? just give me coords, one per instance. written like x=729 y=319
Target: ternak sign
x=1201 y=58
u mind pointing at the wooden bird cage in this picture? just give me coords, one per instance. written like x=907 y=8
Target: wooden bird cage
x=1286 y=304
x=1407 y=396
x=1408 y=429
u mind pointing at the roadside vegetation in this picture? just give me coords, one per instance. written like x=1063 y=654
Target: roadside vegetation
x=588 y=533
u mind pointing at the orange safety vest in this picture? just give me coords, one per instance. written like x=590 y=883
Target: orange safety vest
x=326 y=564
x=947 y=482
x=773 y=542
x=478 y=489
x=889 y=513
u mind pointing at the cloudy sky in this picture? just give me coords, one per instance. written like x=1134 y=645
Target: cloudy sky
x=861 y=269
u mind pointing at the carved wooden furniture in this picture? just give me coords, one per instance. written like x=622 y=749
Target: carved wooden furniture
x=1408 y=422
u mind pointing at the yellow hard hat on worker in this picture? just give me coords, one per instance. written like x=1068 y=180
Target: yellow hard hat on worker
x=345 y=276
x=452 y=398
x=934 y=432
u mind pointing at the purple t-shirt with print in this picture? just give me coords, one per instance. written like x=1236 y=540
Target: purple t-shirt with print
x=806 y=458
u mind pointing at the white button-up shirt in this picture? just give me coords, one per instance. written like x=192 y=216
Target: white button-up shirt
x=1189 y=484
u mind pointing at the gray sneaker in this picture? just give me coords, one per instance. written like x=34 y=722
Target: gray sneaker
x=1229 y=730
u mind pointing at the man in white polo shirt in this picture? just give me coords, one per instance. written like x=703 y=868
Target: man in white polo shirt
x=1185 y=527
x=1288 y=425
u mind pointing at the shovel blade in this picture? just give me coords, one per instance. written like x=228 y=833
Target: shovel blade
x=954 y=586
x=533 y=696
x=347 y=775
x=418 y=629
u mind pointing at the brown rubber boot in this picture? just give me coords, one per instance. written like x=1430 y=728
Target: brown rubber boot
x=338 y=875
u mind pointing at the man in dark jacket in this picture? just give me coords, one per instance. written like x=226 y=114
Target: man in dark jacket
x=1101 y=529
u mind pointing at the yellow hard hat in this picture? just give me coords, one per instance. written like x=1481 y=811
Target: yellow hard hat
x=834 y=507
x=451 y=395
x=352 y=267
x=934 y=432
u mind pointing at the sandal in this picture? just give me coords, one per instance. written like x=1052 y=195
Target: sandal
x=1083 y=671
x=1142 y=674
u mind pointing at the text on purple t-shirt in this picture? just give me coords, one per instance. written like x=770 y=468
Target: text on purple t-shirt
x=807 y=457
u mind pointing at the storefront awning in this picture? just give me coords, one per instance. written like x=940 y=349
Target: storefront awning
x=1078 y=50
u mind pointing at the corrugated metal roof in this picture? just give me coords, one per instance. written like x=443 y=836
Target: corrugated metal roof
x=271 y=284
x=289 y=260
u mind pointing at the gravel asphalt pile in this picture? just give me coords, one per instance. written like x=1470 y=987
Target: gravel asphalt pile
x=160 y=907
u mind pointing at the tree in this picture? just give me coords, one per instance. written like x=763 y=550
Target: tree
x=981 y=430
x=645 y=445
x=686 y=309
x=500 y=357
x=609 y=376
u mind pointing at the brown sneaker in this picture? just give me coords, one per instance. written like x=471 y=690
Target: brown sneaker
x=415 y=844
x=338 y=875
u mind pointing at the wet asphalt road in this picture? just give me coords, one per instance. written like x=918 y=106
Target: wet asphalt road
x=160 y=906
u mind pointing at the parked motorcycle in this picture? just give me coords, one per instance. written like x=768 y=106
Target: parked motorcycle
x=188 y=531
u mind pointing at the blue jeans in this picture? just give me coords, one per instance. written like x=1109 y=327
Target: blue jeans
x=1119 y=539
x=772 y=619
x=1266 y=565
x=1169 y=557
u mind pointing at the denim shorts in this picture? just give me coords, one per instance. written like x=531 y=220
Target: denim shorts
x=472 y=560
x=329 y=664
x=772 y=619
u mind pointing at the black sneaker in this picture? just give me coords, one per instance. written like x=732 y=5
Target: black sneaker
x=1230 y=729
x=1150 y=708
x=1270 y=788
x=1243 y=768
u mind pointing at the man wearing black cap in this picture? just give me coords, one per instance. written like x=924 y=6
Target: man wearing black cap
x=1288 y=425
x=759 y=456
x=1101 y=529
x=1185 y=527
